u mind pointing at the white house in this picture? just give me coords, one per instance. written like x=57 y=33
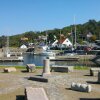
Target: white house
x=23 y=46
x=65 y=43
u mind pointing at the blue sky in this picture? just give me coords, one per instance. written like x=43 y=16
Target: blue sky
x=18 y=16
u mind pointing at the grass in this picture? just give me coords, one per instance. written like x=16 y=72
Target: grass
x=17 y=67
x=40 y=67
x=81 y=67
x=21 y=67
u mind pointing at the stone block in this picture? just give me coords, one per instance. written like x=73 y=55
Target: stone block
x=81 y=87
x=94 y=71
x=30 y=67
x=38 y=78
x=10 y=69
x=59 y=68
x=35 y=94
x=70 y=68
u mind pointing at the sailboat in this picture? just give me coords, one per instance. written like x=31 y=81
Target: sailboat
x=9 y=54
x=47 y=51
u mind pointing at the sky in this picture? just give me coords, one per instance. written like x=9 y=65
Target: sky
x=19 y=16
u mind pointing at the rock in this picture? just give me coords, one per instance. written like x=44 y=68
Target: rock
x=10 y=69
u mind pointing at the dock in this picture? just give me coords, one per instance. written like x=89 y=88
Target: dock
x=10 y=59
x=65 y=59
x=72 y=58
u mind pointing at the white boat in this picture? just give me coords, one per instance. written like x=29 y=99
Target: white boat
x=47 y=53
x=20 y=58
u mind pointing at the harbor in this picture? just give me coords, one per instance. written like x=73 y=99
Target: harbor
x=49 y=50
x=29 y=58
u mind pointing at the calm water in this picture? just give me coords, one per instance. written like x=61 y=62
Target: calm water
x=28 y=58
x=38 y=61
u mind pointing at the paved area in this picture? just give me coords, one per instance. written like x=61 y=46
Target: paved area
x=58 y=87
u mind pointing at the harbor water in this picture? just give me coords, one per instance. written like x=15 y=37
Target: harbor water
x=38 y=61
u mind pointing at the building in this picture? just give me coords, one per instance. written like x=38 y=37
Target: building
x=63 y=43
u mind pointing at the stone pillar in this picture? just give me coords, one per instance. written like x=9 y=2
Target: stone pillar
x=46 y=67
x=98 y=77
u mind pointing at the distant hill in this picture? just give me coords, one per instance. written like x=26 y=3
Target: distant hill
x=92 y=26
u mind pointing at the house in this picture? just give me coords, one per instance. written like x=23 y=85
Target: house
x=23 y=46
x=67 y=43
x=63 y=43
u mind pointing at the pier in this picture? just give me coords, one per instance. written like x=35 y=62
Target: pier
x=10 y=59
x=65 y=59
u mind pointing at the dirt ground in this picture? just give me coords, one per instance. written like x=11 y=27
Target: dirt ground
x=12 y=85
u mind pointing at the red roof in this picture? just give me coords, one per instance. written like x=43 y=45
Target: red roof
x=62 y=39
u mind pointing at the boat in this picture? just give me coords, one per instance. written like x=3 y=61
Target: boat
x=46 y=50
x=11 y=56
x=47 y=53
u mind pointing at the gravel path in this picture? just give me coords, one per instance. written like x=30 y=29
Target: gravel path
x=58 y=87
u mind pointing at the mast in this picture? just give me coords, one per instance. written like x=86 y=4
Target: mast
x=46 y=38
x=60 y=40
x=72 y=38
x=75 y=32
x=7 y=51
x=7 y=41
x=7 y=45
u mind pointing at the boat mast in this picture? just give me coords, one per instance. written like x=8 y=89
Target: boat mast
x=60 y=40
x=7 y=45
x=75 y=32
x=72 y=38
x=46 y=38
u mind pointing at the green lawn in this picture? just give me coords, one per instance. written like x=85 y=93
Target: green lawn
x=81 y=67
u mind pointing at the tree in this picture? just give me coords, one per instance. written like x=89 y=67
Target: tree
x=93 y=38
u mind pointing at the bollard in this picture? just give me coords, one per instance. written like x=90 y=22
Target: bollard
x=81 y=87
x=46 y=68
